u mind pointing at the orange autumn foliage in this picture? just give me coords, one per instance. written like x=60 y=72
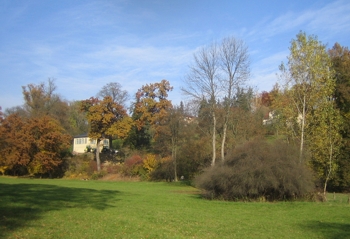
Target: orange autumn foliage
x=36 y=144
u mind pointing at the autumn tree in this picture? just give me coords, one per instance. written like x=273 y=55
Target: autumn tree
x=170 y=136
x=49 y=142
x=19 y=110
x=152 y=105
x=176 y=122
x=42 y=148
x=245 y=122
x=308 y=78
x=118 y=95
x=326 y=140
x=105 y=118
x=13 y=155
x=340 y=57
x=41 y=100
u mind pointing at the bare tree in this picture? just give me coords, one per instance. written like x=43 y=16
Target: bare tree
x=40 y=99
x=203 y=82
x=114 y=90
x=234 y=63
x=218 y=70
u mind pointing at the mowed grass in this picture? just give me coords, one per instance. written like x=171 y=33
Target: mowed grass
x=35 y=208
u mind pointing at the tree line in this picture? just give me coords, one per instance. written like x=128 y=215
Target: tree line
x=307 y=113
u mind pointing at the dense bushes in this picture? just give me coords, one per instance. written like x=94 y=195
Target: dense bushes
x=258 y=171
x=80 y=166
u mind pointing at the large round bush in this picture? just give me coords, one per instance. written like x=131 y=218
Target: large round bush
x=258 y=170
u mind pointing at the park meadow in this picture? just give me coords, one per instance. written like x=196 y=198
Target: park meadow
x=59 y=208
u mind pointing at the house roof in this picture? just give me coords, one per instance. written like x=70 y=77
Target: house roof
x=84 y=135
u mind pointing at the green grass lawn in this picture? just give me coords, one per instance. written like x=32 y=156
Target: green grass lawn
x=35 y=208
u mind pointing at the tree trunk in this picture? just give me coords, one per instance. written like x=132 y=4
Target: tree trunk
x=302 y=131
x=223 y=142
x=98 y=162
x=175 y=165
x=329 y=171
x=110 y=143
x=173 y=155
x=214 y=140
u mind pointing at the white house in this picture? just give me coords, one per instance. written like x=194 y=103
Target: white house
x=82 y=142
x=270 y=118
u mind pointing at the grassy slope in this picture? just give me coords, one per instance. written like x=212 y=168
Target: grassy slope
x=32 y=208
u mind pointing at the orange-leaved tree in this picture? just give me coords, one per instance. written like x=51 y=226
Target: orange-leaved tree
x=152 y=105
x=13 y=147
x=106 y=118
x=35 y=145
x=49 y=143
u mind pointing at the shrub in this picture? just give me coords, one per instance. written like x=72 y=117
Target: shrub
x=112 y=167
x=164 y=170
x=98 y=175
x=150 y=163
x=133 y=166
x=80 y=166
x=258 y=170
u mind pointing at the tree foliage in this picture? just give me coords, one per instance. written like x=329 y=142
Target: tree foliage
x=152 y=105
x=308 y=77
x=340 y=57
x=105 y=118
x=41 y=100
x=77 y=119
x=35 y=145
x=326 y=141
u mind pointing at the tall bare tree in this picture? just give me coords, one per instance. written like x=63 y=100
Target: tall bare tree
x=203 y=82
x=40 y=99
x=114 y=90
x=234 y=63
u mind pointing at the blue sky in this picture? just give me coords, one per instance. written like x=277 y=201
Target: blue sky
x=87 y=44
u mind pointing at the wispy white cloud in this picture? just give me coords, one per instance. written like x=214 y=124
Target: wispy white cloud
x=88 y=44
x=333 y=17
x=264 y=71
x=85 y=73
x=327 y=21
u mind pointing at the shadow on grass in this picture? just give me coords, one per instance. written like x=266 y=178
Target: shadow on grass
x=329 y=230
x=22 y=203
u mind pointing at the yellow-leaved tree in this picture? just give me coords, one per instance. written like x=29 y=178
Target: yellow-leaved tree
x=152 y=105
x=106 y=118
x=150 y=163
x=310 y=112
x=308 y=79
x=326 y=140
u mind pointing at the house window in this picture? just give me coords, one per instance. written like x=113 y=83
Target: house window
x=80 y=141
x=105 y=142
